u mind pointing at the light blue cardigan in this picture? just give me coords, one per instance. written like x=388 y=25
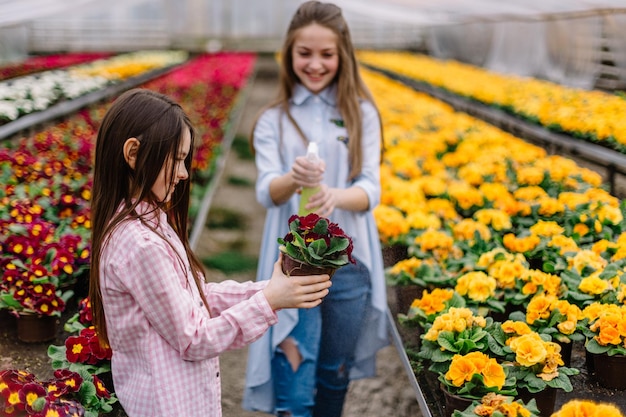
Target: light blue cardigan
x=276 y=149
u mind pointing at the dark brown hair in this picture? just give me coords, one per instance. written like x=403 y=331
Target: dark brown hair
x=350 y=85
x=158 y=123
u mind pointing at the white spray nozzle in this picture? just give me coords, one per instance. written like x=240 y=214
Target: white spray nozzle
x=312 y=152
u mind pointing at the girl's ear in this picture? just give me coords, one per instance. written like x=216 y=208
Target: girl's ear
x=131 y=146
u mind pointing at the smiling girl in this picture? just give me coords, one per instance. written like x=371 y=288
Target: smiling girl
x=303 y=366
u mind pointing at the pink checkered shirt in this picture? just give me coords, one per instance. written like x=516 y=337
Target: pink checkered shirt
x=165 y=344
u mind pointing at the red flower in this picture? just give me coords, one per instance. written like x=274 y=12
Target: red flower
x=85 y=315
x=77 y=349
x=70 y=381
x=101 y=390
x=30 y=393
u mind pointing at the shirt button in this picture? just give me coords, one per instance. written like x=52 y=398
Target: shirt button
x=316 y=100
x=217 y=375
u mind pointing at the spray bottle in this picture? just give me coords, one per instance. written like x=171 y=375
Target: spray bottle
x=312 y=154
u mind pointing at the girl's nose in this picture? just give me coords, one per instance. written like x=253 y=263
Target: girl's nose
x=315 y=63
x=183 y=174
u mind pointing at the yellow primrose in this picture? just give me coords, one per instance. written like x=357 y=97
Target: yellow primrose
x=476 y=285
x=529 y=349
x=498 y=219
x=546 y=228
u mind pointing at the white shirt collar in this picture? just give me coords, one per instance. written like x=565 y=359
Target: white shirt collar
x=302 y=94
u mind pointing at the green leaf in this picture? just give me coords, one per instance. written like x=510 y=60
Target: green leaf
x=594 y=347
x=447 y=340
x=562 y=382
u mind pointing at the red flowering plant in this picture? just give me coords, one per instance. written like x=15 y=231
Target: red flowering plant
x=82 y=350
x=83 y=354
x=67 y=393
x=316 y=241
x=44 y=220
x=38 y=271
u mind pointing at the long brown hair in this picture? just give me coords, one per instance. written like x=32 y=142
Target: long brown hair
x=350 y=85
x=158 y=123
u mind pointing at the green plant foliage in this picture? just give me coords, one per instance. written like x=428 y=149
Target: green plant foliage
x=231 y=262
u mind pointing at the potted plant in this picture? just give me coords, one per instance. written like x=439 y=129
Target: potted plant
x=535 y=363
x=560 y=320
x=496 y=405
x=314 y=245
x=472 y=376
x=27 y=293
x=574 y=408
x=410 y=277
x=67 y=393
x=606 y=343
x=456 y=332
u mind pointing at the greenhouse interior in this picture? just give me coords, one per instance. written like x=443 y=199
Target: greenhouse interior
x=497 y=246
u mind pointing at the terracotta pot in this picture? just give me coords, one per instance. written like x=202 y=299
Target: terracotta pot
x=454 y=402
x=545 y=399
x=33 y=328
x=294 y=267
x=394 y=254
x=610 y=370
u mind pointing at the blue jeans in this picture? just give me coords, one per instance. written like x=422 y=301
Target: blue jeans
x=326 y=337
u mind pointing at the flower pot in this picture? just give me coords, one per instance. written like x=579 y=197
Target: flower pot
x=293 y=267
x=566 y=352
x=394 y=254
x=7 y=320
x=405 y=294
x=610 y=370
x=545 y=399
x=454 y=402
x=33 y=328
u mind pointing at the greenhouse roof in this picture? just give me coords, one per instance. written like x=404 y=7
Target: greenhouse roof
x=441 y=12
x=414 y=12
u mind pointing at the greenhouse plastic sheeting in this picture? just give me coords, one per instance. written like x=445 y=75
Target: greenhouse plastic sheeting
x=581 y=43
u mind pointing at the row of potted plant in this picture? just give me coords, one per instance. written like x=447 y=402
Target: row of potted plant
x=207 y=87
x=494 y=405
x=36 y=92
x=492 y=225
x=586 y=114
x=44 y=202
x=39 y=63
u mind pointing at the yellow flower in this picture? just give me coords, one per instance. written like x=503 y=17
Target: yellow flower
x=477 y=285
x=493 y=374
x=499 y=220
x=539 y=307
x=506 y=272
x=517 y=327
x=593 y=284
x=390 y=221
x=409 y=265
x=433 y=302
x=587 y=408
x=530 y=175
x=433 y=239
x=586 y=258
x=520 y=244
x=546 y=228
x=466 y=229
x=461 y=370
x=529 y=349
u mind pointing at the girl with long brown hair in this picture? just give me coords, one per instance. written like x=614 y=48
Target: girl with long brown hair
x=151 y=304
x=303 y=366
